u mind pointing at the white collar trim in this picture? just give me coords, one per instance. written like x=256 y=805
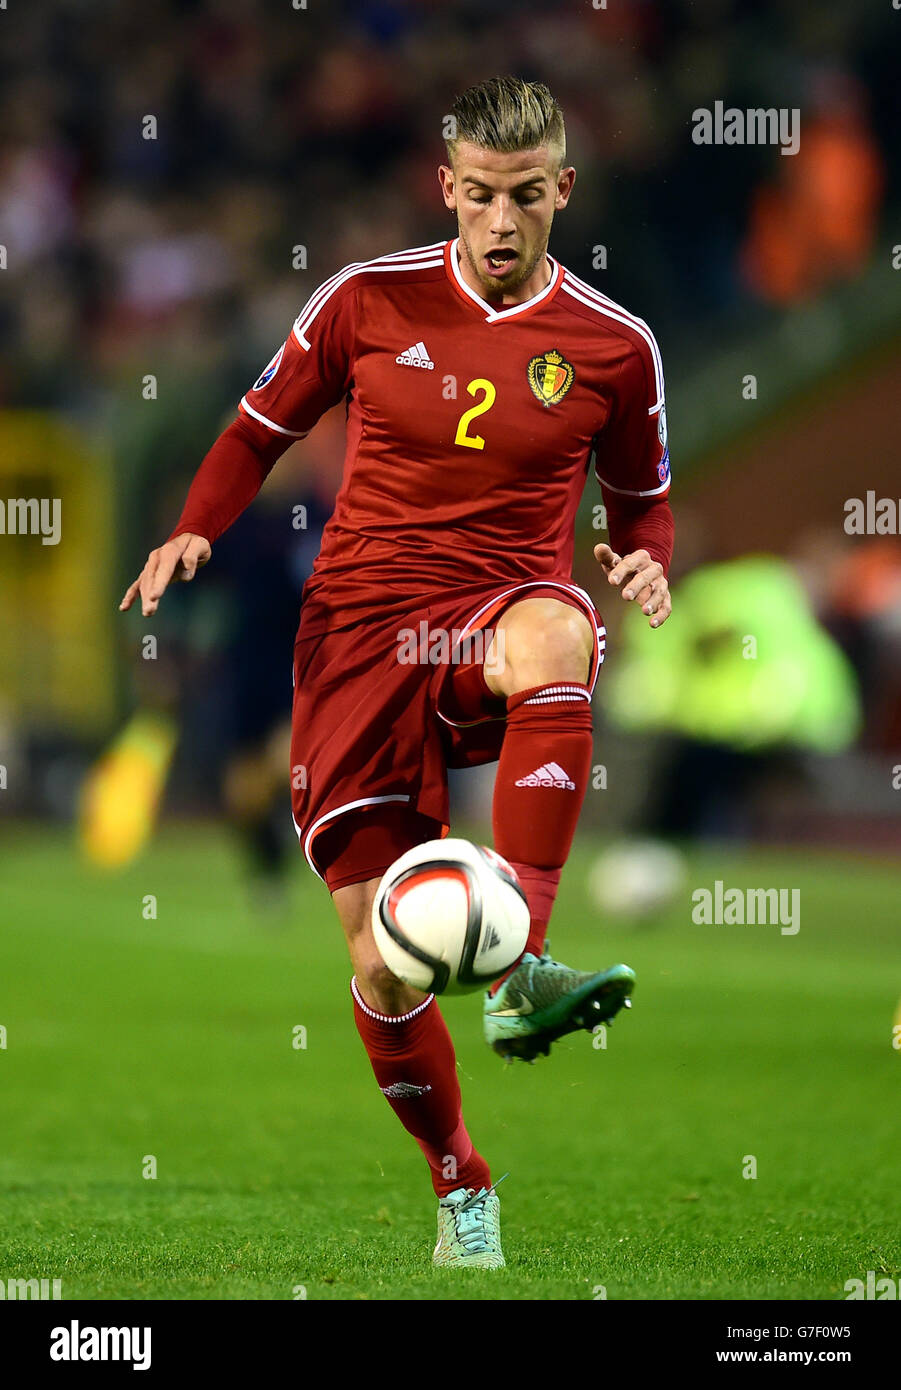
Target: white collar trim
x=492 y=315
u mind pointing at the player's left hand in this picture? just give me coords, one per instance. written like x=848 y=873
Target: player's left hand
x=647 y=584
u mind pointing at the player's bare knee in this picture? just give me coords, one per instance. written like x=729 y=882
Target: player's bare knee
x=380 y=989
x=547 y=641
x=384 y=991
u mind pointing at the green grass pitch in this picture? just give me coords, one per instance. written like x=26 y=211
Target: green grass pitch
x=280 y=1169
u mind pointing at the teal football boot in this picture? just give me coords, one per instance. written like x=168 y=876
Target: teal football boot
x=543 y=1001
x=469 y=1230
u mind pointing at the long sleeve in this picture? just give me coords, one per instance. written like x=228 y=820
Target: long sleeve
x=311 y=372
x=229 y=478
x=632 y=462
x=639 y=524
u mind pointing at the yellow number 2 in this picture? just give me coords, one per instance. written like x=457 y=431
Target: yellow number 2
x=475 y=441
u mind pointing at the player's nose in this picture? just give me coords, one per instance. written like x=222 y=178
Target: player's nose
x=502 y=223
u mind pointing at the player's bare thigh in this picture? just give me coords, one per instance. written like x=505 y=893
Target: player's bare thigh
x=538 y=640
x=380 y=989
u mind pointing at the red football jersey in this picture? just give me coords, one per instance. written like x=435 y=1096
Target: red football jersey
x=470 y=429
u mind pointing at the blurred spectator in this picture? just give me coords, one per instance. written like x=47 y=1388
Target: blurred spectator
x=152 y=167
x=816 y=224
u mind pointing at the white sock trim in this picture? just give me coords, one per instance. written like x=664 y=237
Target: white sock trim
x=387 y=1018
x=559 y=694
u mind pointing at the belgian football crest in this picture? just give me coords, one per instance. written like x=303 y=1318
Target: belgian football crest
x=550 y=376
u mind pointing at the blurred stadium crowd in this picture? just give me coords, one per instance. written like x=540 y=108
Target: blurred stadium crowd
x=320 y=127
x=276 y=128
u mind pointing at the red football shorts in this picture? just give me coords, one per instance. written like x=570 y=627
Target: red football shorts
x=383 y=709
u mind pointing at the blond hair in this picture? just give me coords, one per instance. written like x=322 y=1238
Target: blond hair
x=508 y=114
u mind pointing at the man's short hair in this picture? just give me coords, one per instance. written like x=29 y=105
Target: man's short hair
x=507 y=113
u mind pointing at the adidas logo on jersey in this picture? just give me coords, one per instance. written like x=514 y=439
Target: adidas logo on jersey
x=416 y=356
x=548 y=775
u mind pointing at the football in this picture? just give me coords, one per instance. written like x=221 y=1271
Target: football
x=449 y=917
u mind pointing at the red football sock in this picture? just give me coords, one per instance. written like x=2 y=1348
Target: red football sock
x=414 y=1063
x=542 y=777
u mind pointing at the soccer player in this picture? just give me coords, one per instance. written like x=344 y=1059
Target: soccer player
x=481 y=377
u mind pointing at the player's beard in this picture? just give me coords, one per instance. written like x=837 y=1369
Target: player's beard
x=493 y=289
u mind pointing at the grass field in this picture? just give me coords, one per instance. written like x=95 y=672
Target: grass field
x=280 y=1167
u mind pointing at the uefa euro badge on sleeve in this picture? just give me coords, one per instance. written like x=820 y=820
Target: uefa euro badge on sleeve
x=663 y=467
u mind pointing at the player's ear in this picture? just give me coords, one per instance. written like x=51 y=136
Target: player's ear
x=565 y=180
x=448 y=187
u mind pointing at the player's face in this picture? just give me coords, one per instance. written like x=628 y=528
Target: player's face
x=505 y=204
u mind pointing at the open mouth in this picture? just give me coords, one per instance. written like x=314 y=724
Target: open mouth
x=500 y=261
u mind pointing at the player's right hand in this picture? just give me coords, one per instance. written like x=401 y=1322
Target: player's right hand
x=648 y=585
x=176 y=561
